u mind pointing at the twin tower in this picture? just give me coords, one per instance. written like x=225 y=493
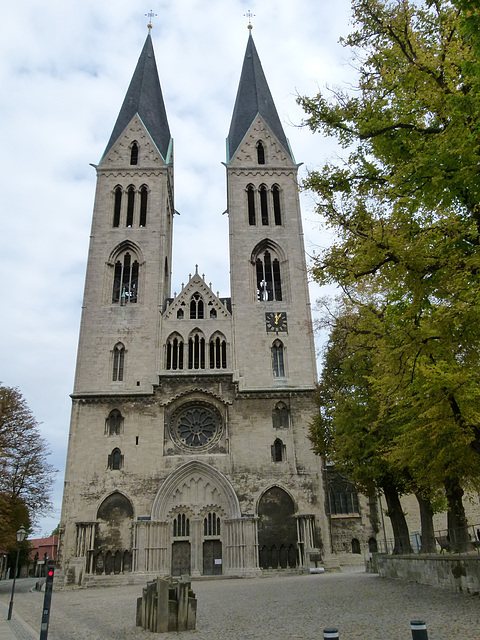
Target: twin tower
x=188 y=449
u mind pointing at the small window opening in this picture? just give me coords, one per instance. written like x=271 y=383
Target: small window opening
x=211 y=525
x=260 y=153
x=278 y=359
x=174 y=354
x=181 y=526
x=115 y=460
x=125 y=280
x=114 y=423
x=196 y=352
x=278 y=451
x=136 y=440
x=117 y=207
x=196 y=307
x=213 y=313
x=277 y=214
x=130 y=205
x=118 y=362
x=180 y=314
x=251 y=205
x=143 y=206
x=264 y=204
x=134 y=154
x=280 y=417
x=269 y=286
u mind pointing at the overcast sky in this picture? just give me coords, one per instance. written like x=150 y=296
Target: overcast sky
x=64 y=70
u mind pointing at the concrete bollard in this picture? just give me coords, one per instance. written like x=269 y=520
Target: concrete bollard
x=330 y=634
x=419 y=630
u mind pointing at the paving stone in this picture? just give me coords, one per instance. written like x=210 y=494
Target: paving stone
x=360 y=605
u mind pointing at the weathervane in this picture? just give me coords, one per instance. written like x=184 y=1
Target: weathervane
x=150 y=15
x=249 y=15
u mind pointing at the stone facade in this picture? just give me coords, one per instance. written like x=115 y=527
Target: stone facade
x=188 y=451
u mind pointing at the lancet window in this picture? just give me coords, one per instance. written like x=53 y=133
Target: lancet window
x=196 y=307
x=134 y=153
x=277 y=212
x=174 y=353
x=260 y=152
x=143 y=206
x=269 y=284
x=196 y=351
x=125 y=280
x=264 y=203
x=118 y=362
x=114 y=423
x=130 y=205
x=278 y=359
x=211 y=525
x=252 y=218
x=181 y=526
x=218 y=353
x=115 y=459
x=117 y=206
x=280 y=417
x=278 y=451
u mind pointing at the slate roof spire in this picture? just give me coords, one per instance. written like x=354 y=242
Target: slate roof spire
x=253 y=98
x=144 y=97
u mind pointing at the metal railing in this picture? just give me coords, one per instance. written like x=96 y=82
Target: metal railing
x=464 y=540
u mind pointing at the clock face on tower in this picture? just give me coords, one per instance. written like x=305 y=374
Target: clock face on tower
x=276 y=321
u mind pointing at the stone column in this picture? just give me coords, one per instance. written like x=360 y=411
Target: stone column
x=196 y=550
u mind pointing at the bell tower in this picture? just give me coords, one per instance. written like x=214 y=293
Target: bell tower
x=129 y=261
x=272 y=323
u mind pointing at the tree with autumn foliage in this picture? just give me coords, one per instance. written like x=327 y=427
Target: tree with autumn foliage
x=26 y=477
x=405 y=207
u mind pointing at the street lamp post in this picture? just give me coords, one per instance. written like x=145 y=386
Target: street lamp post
x=21 y=535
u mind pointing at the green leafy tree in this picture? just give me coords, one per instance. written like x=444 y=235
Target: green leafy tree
x=25 y=475
x=405 y=207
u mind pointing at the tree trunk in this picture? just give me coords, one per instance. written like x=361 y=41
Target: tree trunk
x=426 y=522
x=456 y=519
x=397 y=518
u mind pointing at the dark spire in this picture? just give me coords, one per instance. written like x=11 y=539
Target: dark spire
x=253 y=98
x=144 y=96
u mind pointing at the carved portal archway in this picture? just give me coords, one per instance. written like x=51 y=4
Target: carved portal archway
x=277 y=530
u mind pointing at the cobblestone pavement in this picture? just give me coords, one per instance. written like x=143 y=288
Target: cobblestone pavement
x=360 y=605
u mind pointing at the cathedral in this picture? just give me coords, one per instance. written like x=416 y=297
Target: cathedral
x=188 y=449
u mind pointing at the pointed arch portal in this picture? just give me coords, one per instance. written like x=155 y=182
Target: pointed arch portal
x=277 y=530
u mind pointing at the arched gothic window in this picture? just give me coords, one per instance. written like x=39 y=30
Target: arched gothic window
x=218 y=353
x=174 y=353
x=118 y=362
x=180 y=314
x=264 y=203
x=181 y=526
x=278 y=451
x=134 y=153
x=125 y=280
x=280 y=416
x=277 y=213
x=114 y=423
x=196 y=307
x=269 y=284
x=117 y=205
x=196 y=352
x=115 y=459
x=143 y=205
x=260 y=152
x=278 y=363
x=252 y=219
x=130 y=205
x=211 y=525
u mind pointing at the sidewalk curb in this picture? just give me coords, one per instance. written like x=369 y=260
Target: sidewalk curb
x=19 y=629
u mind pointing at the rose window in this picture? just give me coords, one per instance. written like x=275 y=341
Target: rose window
x=196 y=425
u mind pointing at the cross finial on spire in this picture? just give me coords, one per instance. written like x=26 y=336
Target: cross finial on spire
x=249 y=15
x=150 y=15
